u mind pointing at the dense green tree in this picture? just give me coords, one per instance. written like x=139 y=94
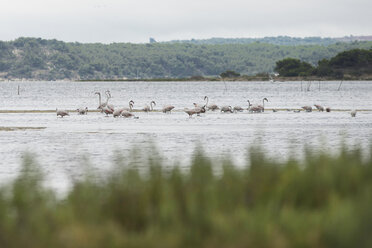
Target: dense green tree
x=323 y=69
x=355 y=62
x=290 y=67
x=352 y=58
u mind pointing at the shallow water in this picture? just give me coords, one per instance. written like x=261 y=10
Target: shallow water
x=61 y=148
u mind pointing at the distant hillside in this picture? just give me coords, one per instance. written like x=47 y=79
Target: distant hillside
x=279 y=40
x=35 y=58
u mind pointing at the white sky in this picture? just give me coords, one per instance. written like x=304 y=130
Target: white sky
x=136 y=20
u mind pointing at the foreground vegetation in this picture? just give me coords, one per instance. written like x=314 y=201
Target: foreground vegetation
x=325 y=201
x=39 y=59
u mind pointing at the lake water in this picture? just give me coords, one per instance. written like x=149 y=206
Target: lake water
x=65 y=143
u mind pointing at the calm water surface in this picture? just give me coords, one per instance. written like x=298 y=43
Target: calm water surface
x=65 y=144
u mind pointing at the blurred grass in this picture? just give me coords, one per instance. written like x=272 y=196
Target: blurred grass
x=324 y=201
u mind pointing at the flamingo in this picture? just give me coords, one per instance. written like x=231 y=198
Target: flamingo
x=213 y=107
x=238 y=109
x=249 y=105
x=100 y=104
x=199 y=110
x=128 y=114
x=255 y=109
x=108 y=95
x=148 y=108
x=61 y=113
x=167 y=108
x=319 y=107
x=117 y=112
x=200 y=104
x=262 y=107
x=226 y=109
x=130 y=104
x=308 y=108
x=107 y=110
x=190 y=112
x=82 y=111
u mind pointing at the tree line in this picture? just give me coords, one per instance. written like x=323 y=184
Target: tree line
x=352 y=63
x=40 y=59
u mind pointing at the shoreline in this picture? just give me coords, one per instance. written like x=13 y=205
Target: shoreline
x=199 y=79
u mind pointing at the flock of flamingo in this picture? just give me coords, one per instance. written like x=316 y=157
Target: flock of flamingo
x=126 y=112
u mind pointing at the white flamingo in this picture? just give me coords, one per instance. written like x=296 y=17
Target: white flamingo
x=108 y=95
x=262 y=107
x=130 y=104
x=82 y=111
x=249 y=105
x=107 y=110
x=100 y=104
x=148 y=108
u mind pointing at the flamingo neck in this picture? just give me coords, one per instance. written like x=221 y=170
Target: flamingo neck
x=99 y=99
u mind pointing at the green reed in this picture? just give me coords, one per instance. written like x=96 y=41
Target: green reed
x=323 y=201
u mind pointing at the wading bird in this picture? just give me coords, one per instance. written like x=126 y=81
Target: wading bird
x=249 y=105
x=202 y=104
x=307 y=108
x=148 y=108
x=238 y=109
x=190 y=112
x=262 y=107
x=167 y=108
x=226 y=109
x=213 y=107
x=130 y=104
x=319 y=107
x=128 y=114
x=107 y=110
x=82 y=111
x=61 y=112
x=100 y=104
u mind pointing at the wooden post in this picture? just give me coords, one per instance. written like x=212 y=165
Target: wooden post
x=339 y=87
x=18 y=89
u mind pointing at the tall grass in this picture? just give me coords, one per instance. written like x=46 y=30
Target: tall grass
x=324 y=201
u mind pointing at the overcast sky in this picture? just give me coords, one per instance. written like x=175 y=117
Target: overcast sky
x=136 y=20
